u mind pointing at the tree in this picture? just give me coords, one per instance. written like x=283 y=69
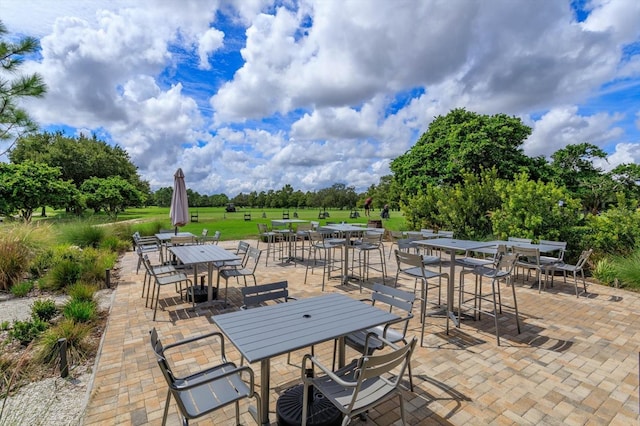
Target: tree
x=573 y=168
x=112 y=194
x=464 y=142
x=79 y=158
x=27 y=186
x=14 y=121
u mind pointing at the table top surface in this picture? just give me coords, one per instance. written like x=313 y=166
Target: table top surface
x=544 y=248
x=204 y=253
x=454 y=244
x=347 y=227
x=267 y=331
x=166 y=236
x=279 y=222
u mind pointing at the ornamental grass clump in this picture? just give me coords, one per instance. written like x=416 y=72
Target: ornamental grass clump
x=76 y=335
x=81 y=291
x=22 y=288
x=628 y=270
x=14 y=261
x=83 y=234
x=79 y=310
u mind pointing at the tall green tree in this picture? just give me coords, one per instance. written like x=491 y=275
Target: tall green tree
x=574 y=169
x=15 y=121
x=465 y=142
x=27 y=186
x=79 y=158
x=112 y=194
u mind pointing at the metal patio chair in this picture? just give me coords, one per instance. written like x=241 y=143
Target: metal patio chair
x=361 y=385
x=207 y=390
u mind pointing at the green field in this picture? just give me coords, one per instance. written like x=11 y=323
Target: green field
x=232 y=226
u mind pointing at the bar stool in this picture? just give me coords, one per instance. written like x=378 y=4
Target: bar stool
x=318 y=244
x=273 y=240
x=365 y=246
x=502 y=270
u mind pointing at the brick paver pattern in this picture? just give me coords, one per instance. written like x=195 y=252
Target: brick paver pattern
x=575 y=362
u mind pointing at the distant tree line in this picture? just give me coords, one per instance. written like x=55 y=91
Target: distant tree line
x=338 y=195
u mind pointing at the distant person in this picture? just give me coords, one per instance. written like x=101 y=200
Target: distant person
x=385 y=212
x=367 y=206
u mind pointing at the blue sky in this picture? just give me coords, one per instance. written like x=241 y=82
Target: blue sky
x=251 y=95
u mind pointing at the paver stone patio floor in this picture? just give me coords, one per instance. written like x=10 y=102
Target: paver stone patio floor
x=575 y=362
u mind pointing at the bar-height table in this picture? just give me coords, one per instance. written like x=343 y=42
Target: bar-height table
x=347 y=230
x=451 y=245
x=197 y=254
x=288 y=234
x=261 y=333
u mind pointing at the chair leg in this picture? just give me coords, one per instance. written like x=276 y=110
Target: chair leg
x=155 y=309
x=166 y=408
x=401 y=402
x=515 y=304
x=495 y=310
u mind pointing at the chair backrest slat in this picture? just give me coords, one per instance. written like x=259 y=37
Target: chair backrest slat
x=264 y=293
x=410 y=259
x=394 y=297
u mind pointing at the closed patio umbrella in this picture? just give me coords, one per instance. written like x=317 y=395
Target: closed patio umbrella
x=179 y=211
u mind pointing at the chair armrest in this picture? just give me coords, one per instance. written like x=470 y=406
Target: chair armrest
x=196 y=338
x=233 y=372
x=325 y=370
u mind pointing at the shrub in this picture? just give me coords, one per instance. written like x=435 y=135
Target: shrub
x=81 y=291
x=41 y=263
x=63 y=273
x=4 y=325
x=115 y=244
x=79 y=310
x=628 y=270
x=27 y=331
x=44 y=309
x=94 y=262
x=604 y=271
x=76 y=334
x=615 y=232
x=21 y=289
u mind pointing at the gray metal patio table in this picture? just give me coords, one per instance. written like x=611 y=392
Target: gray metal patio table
x=165 y=238
x=262 y=333
x=451 y=245
x=348 y=230
x=288 y=233
x=544 y=248
x=198 y=254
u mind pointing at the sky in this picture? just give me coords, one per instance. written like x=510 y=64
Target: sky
x=251 y=95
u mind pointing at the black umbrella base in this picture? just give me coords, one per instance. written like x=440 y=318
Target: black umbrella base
x=319 y=412
x=200 y=294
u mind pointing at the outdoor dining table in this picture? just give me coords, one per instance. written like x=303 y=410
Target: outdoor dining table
x=264 y=332
x=451 y=245
x=543 y=248
x=209 y=254
x=165 y=238
x=288 y=234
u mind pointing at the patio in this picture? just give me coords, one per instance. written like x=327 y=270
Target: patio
x=575 y=362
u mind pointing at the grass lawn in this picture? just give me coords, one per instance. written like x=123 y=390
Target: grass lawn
x=233 y=226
